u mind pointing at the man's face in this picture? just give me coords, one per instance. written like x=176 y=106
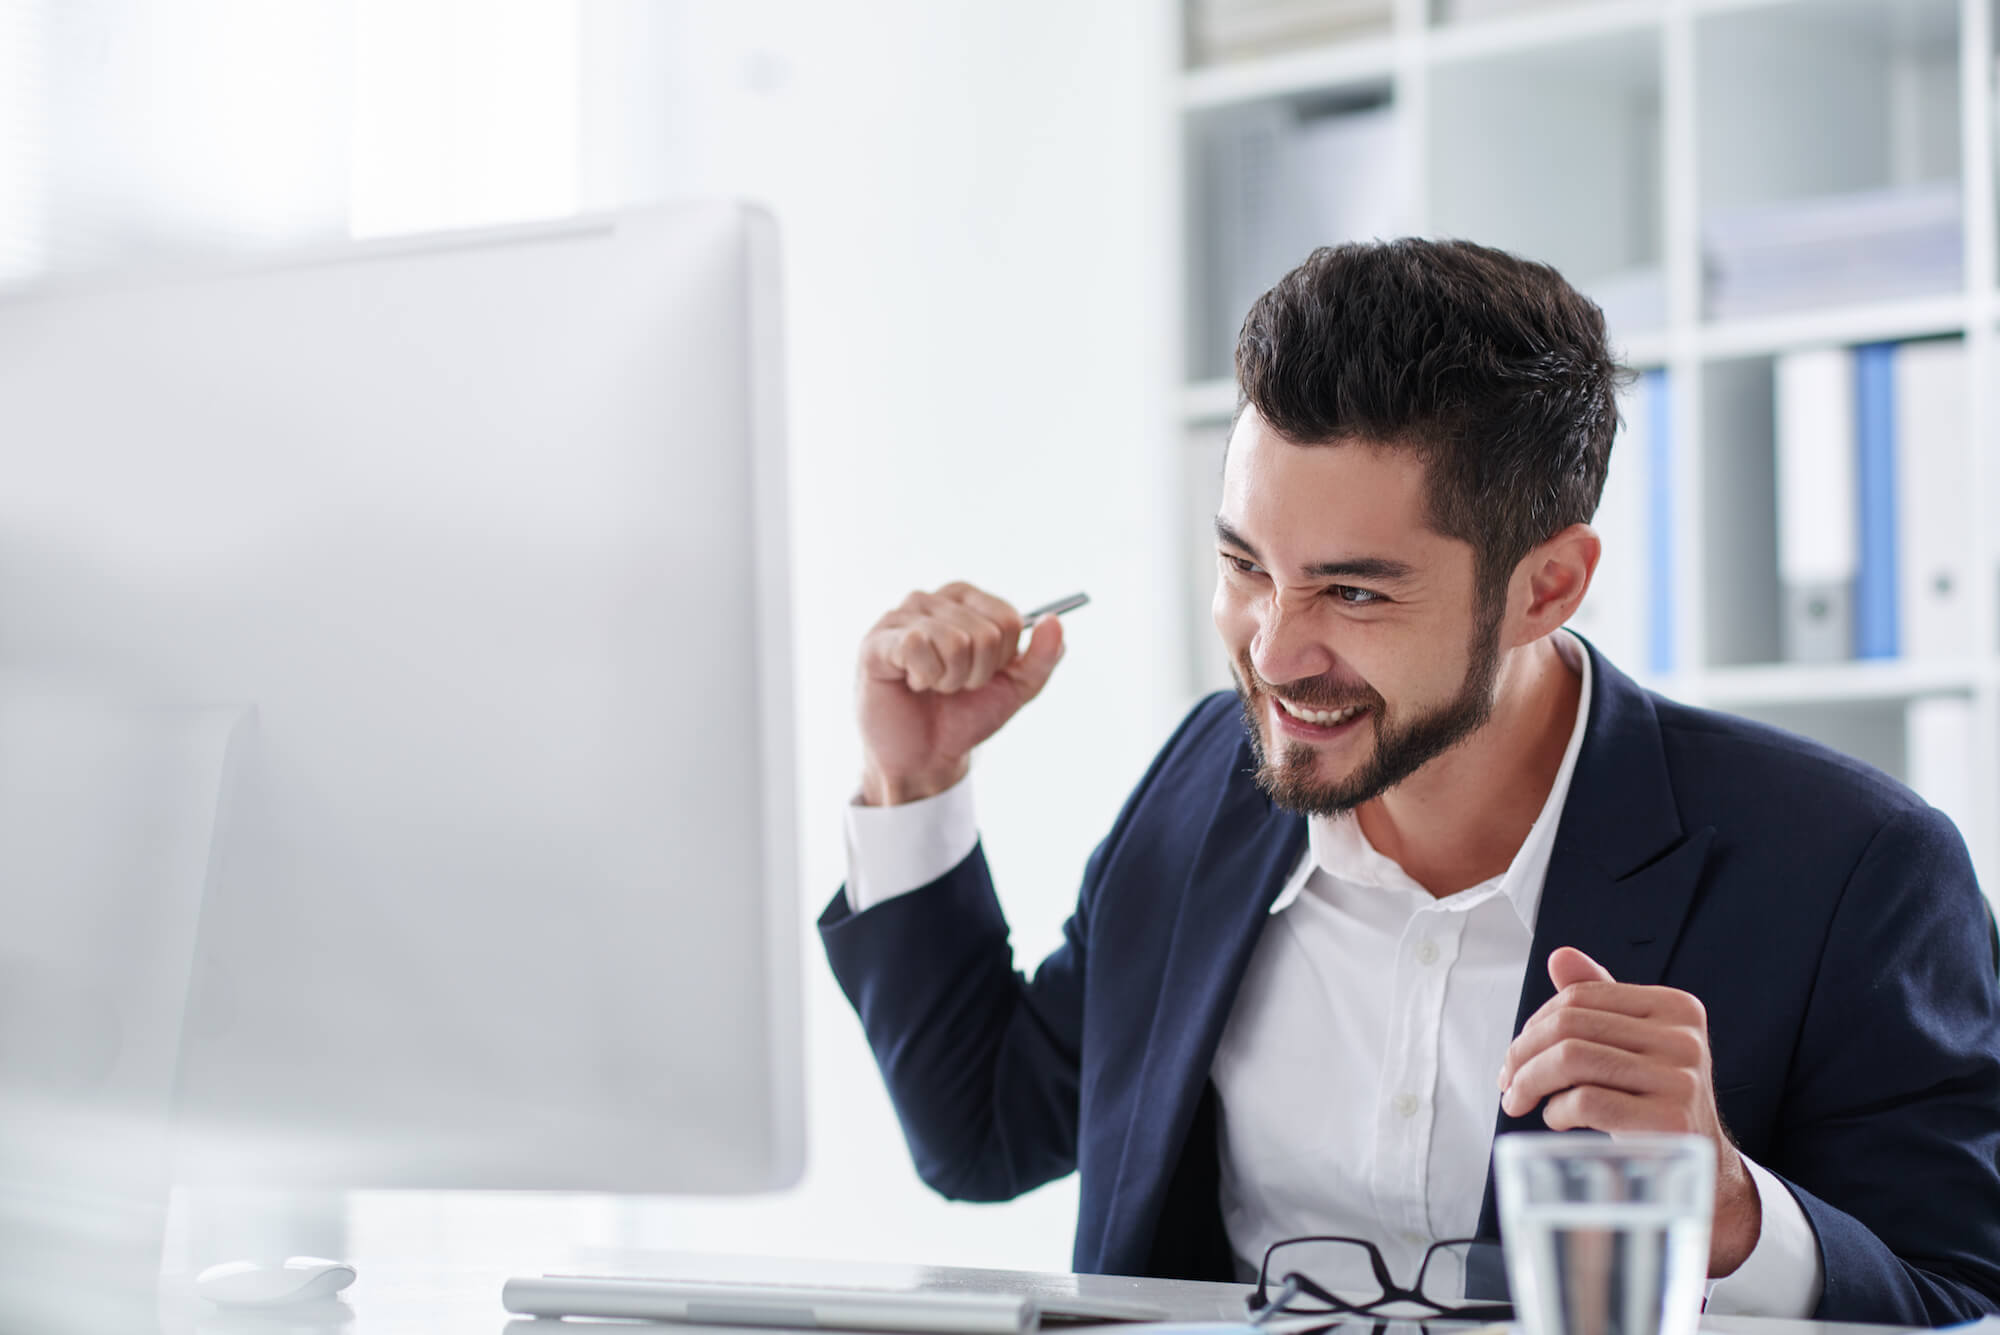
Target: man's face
x=1360 y=650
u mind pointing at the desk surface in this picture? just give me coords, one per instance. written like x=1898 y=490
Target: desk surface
x=408 y=1298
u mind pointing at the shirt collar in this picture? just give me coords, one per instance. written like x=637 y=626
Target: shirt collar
x=1336 y=845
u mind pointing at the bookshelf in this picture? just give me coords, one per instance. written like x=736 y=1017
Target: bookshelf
x=1636 y=144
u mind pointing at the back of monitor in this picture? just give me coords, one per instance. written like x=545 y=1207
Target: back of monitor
x=489 y=534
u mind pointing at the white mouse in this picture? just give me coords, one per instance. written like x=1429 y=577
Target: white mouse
x=301 y=1279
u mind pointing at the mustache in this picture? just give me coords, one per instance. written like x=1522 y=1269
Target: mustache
x=1309 y=692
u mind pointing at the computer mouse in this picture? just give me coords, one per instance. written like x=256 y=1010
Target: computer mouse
x=254 y=1284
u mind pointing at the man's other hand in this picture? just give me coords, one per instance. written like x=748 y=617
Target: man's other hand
x=1615 y=1057
x=938 y=676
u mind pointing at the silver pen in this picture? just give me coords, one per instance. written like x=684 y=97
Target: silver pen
x=1054 y=609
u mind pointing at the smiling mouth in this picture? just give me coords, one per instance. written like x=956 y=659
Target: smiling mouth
x=1321 y=718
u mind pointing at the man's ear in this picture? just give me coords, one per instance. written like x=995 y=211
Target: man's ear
x=1551 y=580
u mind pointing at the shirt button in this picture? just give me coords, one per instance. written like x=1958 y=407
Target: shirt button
x=1415 y=1239
x=1405 y=1105
x=1427 y=951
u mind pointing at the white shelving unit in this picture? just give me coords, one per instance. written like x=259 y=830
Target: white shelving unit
x=1597 y=135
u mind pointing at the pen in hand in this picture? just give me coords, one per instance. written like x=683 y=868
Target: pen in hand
x=1054 y=609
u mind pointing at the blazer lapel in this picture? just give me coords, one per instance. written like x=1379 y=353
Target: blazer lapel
x=1250 y=849
x=1623 y=873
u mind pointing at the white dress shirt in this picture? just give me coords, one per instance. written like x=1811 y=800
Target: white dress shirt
x=1357 y=1072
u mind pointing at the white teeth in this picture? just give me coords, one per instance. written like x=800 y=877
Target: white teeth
x=1324 y=718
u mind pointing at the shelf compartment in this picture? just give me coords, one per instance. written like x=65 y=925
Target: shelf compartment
x=1506 y=132
x=1835 y=524
x=1828 y=154
x=1267 y=183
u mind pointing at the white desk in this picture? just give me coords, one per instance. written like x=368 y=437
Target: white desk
x=411 y=1298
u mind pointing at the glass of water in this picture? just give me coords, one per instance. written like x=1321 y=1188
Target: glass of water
x=1606 y=1236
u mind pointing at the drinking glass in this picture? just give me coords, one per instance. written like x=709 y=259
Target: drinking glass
x=1606 y=1236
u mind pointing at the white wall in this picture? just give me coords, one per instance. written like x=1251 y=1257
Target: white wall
x=973 y=200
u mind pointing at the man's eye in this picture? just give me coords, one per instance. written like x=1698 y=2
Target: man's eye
x=1241 y=566
x=1354 y=597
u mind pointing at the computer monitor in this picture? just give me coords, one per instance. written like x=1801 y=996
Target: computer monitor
x=480 y=545
x=109 y=806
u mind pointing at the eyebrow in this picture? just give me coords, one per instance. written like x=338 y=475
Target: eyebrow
x=1383 y=568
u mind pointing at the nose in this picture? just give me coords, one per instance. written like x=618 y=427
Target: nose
x=1288 y=644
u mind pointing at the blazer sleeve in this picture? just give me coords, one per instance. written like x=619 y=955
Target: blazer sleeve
x=982 y=1063
x=1890 y=1138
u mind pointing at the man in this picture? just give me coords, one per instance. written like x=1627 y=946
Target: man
x=1438 y=871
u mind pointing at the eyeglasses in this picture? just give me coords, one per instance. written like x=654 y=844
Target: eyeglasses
x=1307 y=1270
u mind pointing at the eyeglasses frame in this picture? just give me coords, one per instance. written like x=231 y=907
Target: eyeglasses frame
x=1263 y=1307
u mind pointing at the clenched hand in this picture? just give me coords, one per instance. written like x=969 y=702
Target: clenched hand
x=1614 y=1057
x=938 y=676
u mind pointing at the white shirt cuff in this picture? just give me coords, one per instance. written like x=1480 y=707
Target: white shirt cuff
x=894 y=850
x=1783 y=1276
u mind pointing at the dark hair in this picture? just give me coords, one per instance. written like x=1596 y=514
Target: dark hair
x=1492 y=368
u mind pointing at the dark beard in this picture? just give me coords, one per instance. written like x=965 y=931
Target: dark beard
x=1401 y=749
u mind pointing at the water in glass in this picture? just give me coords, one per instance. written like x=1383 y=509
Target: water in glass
x=1621 y=1268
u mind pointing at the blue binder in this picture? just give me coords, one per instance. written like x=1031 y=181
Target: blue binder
x=1659 y=522
x=1876 y=583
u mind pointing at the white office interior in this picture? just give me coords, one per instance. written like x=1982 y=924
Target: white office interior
x=1012 y=243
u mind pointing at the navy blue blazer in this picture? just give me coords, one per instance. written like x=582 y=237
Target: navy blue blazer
x=1826 y=917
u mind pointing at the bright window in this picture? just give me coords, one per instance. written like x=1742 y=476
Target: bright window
x=135 y=133
x=465 y=112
